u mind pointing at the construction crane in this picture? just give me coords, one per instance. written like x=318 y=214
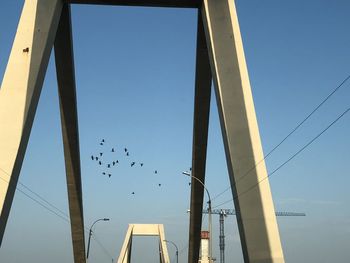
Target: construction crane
x=225 y=212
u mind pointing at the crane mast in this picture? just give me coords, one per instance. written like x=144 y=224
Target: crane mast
x=225 y=212
x=222 y=238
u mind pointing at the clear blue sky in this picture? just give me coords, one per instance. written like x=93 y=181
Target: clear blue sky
x=135 y=79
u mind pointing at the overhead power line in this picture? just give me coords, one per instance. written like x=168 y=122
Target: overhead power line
x=287 y=136
x=44 y=203
x=63 y=217
x=183 y=249
x=289 y=159
x=36 y=194
x=101 y=246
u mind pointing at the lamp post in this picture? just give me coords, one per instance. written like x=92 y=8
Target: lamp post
x=177 y=250
x=90 y=234
x=209 y=214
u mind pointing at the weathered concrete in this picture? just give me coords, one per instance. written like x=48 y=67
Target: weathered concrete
x=70 y=132
x=200 y=138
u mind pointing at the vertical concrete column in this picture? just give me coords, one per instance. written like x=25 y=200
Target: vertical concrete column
x=200 y=138
x=69 y=120
x=20 y=91
x=255 y=210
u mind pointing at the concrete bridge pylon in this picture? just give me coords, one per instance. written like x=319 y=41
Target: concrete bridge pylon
x=219 y=59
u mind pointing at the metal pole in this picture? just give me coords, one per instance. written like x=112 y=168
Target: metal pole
x=88 y=248
x=177 y=250
x=209 y=213
x=90 y=234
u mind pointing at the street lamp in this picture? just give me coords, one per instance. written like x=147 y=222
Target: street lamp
x=90 y=234
x=209 y=214
x=177 y=250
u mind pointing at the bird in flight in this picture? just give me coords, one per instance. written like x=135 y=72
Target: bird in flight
x=132 y=164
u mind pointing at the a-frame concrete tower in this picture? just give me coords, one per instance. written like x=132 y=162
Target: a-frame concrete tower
x=45 y=24
x=144 y=230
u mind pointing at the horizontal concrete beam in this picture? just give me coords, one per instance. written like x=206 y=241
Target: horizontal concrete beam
x=145 y=230
x=146 y=3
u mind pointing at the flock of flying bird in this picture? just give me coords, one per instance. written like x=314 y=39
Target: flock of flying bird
x=99 y=158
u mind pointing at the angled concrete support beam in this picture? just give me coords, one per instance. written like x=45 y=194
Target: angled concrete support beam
x=256 y=219
x=200 y=138
x=125 y=252
x=20 y=91
x=69 y=120
x=163 y=249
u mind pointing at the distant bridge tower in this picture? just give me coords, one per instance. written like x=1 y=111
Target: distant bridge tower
x=144 y=230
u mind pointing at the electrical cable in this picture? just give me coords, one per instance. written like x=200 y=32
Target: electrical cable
x=183 y=249
x=36 y=194
x=101 y=246
x=289 y=159
x=287 y=136
x=64 y=216
x=39 y=203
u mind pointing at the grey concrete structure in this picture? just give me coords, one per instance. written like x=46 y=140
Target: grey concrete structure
x=200 y=138
x=221 y=48
x=69 y=122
